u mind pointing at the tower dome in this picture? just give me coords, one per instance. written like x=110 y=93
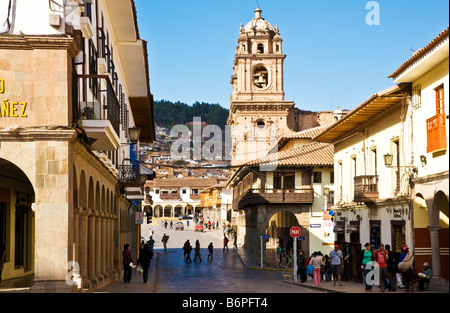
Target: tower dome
x=258 y=23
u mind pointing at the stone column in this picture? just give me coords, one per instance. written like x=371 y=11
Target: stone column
x=435 y=254
x=91 y=249
x=98 y=246
x=108 y=245
x=83 y=246
x=103 y=246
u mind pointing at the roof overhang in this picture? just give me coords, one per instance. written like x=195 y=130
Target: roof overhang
x=365 y=113
x=142 y=108
x=424 y=59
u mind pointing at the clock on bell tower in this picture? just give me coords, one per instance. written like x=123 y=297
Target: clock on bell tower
x=259 y=115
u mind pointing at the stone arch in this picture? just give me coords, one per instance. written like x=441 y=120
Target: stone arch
x=158 y=211
x=91 y=194
x=17 y=196
x=440 y=210
x=97 y=196
x=103 y=201
x=279 y=225
x=167 y=210
x=178 y=210
x=420 y=212
x=75 y=188
x=82 y=191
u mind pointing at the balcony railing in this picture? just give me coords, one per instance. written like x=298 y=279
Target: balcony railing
x=129 y=174
x=96 y=100
x=169 y=196
x=436 y=133
x=366 y=188
x=263 y=196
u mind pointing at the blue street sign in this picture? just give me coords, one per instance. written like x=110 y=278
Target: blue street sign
x=264 y=237
x=301 y=238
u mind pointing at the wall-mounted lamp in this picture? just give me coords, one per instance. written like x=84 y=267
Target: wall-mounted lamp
x=134 y=133
x=423 y=159
x=388 y=158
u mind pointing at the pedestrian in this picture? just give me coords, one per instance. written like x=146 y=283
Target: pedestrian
x=235 y=241
x=316 y=261
x=187 y=251
x=366 y=259
x=164 y=240
x=150 y=245
x=406 y=265
x=225 y=242
x=327 y=267
x=171 y=224
x=144 y=261
x=336 y=257
x=301 y=265
x=381 y=258
x=127 y=262
x=210 y=250
x=425 y=276
x=187 y=223
x=279 y=256
x=197 y=251
x=391 y=268
x=289 y=259
x=165 y=224
x=2 y=258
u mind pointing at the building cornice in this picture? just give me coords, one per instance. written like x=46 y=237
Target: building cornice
x=29 y=42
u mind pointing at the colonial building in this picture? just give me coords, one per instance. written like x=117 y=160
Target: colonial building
x=172 y=197
x=216 y=202
x=74 y=85
x=294 y=193
x=427 y=71
x=372 y=201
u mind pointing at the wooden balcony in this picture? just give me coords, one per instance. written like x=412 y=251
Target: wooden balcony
x=169 y=196
x=366 y=188
x=276 y=196
x=436 y=133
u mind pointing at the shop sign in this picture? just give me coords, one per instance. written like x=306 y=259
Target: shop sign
x=11 y=108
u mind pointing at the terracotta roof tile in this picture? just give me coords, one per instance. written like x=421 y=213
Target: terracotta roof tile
x=421 y=52
x=313 y=154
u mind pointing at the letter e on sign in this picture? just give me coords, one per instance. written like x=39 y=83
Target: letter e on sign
x=296 y=231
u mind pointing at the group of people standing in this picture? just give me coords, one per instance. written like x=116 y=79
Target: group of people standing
x=392 y=270
x=187 y=249
x=318 y=266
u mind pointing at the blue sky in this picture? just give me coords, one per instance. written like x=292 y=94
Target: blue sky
x=334 y=58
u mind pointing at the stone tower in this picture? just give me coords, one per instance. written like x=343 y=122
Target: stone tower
x=259 y=115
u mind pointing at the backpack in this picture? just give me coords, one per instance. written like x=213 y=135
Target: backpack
x=406 y=263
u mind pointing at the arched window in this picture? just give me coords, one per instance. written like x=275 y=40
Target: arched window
x=260 y=48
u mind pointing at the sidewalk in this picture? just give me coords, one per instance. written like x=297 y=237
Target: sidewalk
x=325 y=286
x=136 y=285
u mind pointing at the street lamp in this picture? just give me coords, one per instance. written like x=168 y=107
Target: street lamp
x=388 y=158
x=134 y=134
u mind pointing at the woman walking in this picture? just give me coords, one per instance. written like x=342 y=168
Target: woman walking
x=197 y=251
x=316 y=261
x=365 y=259
x=127 y=262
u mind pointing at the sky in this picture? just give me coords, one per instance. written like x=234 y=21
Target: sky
x=334 y=58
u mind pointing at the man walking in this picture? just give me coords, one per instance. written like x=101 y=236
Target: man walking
x=225 y=242
x=187 y=251
x=381 y=257
x=336 y=257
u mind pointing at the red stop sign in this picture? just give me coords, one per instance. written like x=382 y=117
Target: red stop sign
x=296 y=231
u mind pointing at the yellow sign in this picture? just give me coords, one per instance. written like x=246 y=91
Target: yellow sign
x=11 y=108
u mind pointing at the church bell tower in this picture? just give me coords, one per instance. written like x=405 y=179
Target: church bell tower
x=259 y=115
